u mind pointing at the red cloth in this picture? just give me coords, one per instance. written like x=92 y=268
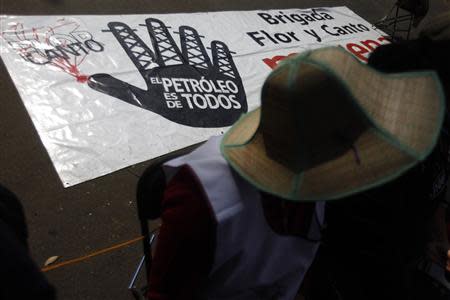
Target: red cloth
x=186 y=242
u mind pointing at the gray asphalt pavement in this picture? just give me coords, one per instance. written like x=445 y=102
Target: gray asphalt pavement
x=76 y=221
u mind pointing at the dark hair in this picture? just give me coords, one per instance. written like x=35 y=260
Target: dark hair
x=11 y=213
x=415 y=55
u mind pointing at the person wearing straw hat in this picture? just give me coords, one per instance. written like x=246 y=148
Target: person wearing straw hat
x=243 y=214
x=392 y=242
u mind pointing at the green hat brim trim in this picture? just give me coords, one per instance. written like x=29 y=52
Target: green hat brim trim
x=380 y=131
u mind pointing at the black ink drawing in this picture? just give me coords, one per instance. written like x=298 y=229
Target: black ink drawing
x=184 y=86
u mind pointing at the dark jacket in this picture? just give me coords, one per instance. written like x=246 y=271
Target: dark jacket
x=20 y=277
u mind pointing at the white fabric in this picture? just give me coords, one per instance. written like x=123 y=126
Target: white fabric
x=251 y=261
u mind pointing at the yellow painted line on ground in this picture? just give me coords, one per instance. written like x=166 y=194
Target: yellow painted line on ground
x=96 y=253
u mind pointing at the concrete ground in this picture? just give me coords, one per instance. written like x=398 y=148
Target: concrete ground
x=74 y=222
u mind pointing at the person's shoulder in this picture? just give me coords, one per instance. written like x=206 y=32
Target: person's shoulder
x=184 y=197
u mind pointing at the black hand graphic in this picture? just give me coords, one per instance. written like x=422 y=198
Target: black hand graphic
x=184 y=87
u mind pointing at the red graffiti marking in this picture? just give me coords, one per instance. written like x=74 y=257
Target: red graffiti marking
x=58 y=45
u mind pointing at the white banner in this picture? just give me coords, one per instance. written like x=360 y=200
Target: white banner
x=106 y=92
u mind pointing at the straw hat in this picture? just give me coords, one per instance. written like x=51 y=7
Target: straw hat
x=330 y=126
